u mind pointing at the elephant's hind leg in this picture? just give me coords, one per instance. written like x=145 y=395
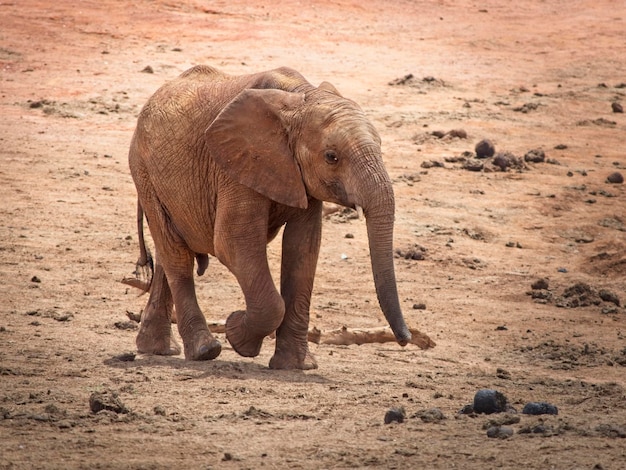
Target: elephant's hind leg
x=199 y=344
x=155 y=331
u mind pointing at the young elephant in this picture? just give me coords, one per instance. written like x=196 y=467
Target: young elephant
x=221 y=163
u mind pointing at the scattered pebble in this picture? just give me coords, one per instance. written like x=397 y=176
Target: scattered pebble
x=609 y=296
x=615 y=178
x=395 y=414
x=432 y=415
x=126 y=325
x=107 y=400
x=35 y=279
x=485 y=149
x=617 y=107
x=540 y=284
x=540 y=408
x=125 y=357
x=147 y=69
x=499 y=432
x=535 y=156
x=459 y=133
x=506 y=160
x=489 y=401
x=416 y=253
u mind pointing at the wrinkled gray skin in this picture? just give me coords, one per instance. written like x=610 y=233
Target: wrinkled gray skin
x=221 y=163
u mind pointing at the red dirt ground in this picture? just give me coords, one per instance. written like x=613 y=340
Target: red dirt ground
x=526 y=75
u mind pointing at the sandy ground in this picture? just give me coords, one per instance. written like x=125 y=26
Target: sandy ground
x=538 y=75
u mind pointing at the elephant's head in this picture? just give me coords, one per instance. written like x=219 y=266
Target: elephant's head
x=291 y=146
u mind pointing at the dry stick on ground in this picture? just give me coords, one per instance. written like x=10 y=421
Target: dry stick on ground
x=342 y=336
x=345 y=336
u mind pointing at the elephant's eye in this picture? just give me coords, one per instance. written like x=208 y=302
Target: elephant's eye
x=331 y=157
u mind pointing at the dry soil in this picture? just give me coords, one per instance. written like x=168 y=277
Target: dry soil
x=532 y=75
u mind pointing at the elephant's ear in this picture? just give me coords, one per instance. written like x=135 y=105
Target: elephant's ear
x=249 y=141
x=329 y=87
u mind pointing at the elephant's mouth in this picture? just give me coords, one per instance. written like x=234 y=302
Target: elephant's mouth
x=337 y=193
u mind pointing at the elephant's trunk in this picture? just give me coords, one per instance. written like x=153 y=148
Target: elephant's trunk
x=379 y=215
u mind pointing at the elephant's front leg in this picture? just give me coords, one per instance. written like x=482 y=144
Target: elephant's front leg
x=241 y=229
x=301 y=244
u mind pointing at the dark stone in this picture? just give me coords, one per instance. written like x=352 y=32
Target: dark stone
x=535 y=156
x=499 y=432
x=485 y=149
x=489 y=401
x=539 y=284
x=106 y=400
x=540 y=408
x=395 y=414
x=615 y=178
x=609 y=296
x=459 y=133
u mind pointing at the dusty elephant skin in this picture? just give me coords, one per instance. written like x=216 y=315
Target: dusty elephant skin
x=220 y=164
x=73 y=80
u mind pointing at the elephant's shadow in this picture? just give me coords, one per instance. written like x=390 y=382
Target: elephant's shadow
x=199 y=370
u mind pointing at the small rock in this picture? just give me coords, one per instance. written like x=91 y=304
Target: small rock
x=467 y=410
x=503 y=374
x=617 y=107
x=539 y=284
x=126 y=357
x=499 y=432
x=615 y=178
x=159 y=410
x=489 y=401
x=395 y=414
x=147 y=69
x=432 y=164
x=473 y=165
x=540 y=408
x=609 y=296
x=432 y=415
x=126 y=325
x=35 y=279
x=506 y=160
x=485 y=149
x=106 y=400
x=459 y=133
x=504 y=419
x=61 y=317
x=535 y=156
x=420 y=306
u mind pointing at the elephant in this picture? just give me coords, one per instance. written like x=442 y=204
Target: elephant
x=221 y=163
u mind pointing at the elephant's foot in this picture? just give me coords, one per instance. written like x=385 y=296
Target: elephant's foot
x=202 y=347
x=242 y=341
x=293 y=358
x=162 y=343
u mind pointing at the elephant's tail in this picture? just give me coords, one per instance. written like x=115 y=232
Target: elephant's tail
x=144 y=269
